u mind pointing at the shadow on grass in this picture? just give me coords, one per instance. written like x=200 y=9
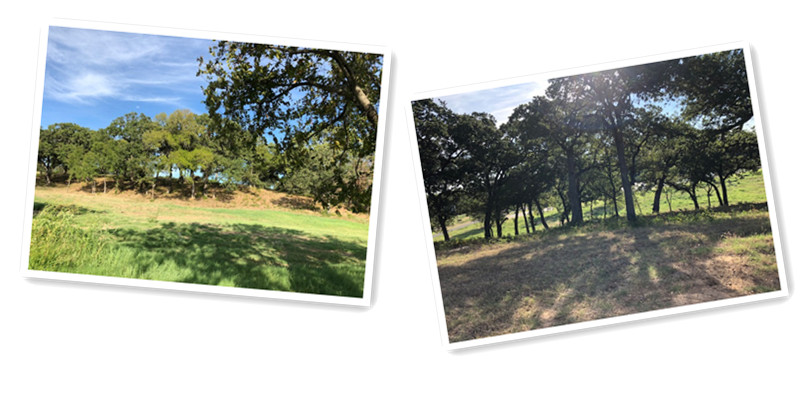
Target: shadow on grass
x=562 y=279
x=295 y=203
x=248 y=256
x=39 y=206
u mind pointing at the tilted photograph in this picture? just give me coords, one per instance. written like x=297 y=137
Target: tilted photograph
x=221 y=163
x=566 y=199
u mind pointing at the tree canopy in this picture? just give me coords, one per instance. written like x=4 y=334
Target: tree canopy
x=679 y=124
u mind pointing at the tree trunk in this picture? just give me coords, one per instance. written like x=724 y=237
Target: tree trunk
x=443 y=225
x=657 y=197
x=541 y=213
x=572 y=190
x=499 y=223
x=530 y=214
x=716 y=190
x=724 y=191
x=104 y=185
x=487 y=224
x=193 y=189
x=693 y=195
x=94 y=186
x=669 y=201
x=525 y=218
x=630 y=210
x=516 y=220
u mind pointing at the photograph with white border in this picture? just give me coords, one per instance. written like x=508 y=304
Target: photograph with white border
x=206 y=162
x=596 y=195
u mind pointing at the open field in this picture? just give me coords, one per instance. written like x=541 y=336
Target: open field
x=259 y=239
x=602 y=270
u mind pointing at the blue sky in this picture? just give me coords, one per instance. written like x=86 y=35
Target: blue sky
x=499 y=102
x=93 y=76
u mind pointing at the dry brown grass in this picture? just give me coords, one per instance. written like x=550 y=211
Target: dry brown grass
x=216 y=197
x=553 y=280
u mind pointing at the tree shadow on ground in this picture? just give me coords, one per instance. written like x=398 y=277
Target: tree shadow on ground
x=248 y=256
x=296 y=203
x=39 y=206
x=559 y=279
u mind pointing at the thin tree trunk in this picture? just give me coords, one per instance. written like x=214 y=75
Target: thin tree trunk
x=716 y=190
x=693 y=195
x=669 y=201
x=499 y=223
x=525 y=218
x=516 y=220
x=724 y=191
x=487 y=224
x=530 y=215
x=104 y=185
x=541 y=213
x=657 y=197
x=443 y=226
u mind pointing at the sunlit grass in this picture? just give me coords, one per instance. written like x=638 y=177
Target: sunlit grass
x=263 y=249
x=748 y=189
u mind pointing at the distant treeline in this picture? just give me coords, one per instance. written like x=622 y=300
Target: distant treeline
x=679 y=125
x=183 y=149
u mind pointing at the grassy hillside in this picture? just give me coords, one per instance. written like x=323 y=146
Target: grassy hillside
x=254 y=240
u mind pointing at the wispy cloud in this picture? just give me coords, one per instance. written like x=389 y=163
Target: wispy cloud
x=85 y=66
x=500 y=102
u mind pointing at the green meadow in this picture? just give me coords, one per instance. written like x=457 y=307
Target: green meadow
x=204 y=242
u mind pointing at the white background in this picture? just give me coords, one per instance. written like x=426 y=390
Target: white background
x=83 y=341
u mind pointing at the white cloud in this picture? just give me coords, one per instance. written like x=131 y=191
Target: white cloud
x=500 y=102
x=83 y=88
x=86 y=65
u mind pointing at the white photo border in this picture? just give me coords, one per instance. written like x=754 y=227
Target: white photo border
x=384 y=51
x=428 y=234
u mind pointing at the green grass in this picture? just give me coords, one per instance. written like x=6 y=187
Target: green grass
x=748 y=189
x=274 y=249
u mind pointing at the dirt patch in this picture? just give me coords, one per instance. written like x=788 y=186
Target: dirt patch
x=249 y=198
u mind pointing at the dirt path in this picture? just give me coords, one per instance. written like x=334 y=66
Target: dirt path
x=454 y=228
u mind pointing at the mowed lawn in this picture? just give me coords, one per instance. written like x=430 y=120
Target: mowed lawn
x=134 y=237
x=602 y=270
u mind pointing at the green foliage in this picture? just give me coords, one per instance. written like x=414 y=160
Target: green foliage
x=295 y=98
x=330 y=177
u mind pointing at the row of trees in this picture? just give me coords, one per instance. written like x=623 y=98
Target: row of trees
x=137 y=152
x=678 y=124
x=293 y=119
